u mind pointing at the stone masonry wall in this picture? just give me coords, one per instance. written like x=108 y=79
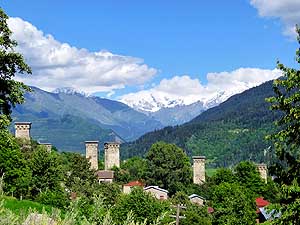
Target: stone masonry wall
x=22 y=130
x=199 y=169
x=112 y=155
x=91 y=148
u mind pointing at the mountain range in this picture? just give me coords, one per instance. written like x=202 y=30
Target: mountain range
x=226 y=133
x=67 y=118
x=233 y=131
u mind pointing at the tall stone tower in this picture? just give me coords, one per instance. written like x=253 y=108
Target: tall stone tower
x=91 y=153
x=112 y=155
x=199 y=169
x=22 y=130
x=263 y=171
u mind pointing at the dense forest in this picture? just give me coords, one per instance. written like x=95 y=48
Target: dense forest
x=233 y=131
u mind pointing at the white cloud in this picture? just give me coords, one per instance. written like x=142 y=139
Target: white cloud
x=185 y=90
x=288 y=11
x=57 y=64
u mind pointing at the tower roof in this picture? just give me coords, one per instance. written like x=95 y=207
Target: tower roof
x=91 y=142
x=22 y=123
x=199 y=157
x=111 y=143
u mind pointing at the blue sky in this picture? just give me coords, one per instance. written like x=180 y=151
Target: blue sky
x=175 y=38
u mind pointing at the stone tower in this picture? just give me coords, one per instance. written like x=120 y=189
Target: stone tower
x=263 y=171
x=199 y=169
x=22 y=130
x=91 y=153
x=112 y=155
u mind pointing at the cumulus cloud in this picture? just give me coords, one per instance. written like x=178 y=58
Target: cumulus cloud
x=55 y=64
x=287 y=11
x=184 y=90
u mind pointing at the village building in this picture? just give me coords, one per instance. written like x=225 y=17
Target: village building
x=105 y=176
x=263 y=171
x=196 y=199
x=263 y=214
x=22 y=130
x=91 y=153
x=128 y=187
x=157 y=192
x=199 y=169
x=111 y=155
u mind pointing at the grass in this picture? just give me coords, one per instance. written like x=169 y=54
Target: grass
x=24 y=206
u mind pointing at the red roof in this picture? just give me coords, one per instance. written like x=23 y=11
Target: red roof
x=210 y=210
x=135 y=183
x=260 y=202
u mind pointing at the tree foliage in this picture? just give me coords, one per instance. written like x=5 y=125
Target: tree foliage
x=13 y=166
x=141 y=204
x=287 y=139
x=247 y=175
x=11 y=63
x=232 y=205
x=168 y=167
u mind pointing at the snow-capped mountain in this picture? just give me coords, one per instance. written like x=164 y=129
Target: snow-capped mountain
x=153 y=101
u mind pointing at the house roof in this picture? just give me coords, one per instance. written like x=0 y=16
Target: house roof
x=105 y=174
x=196 y=196
x=260 y=202
x=135 y=183
x=269 y=214
x=156 y=188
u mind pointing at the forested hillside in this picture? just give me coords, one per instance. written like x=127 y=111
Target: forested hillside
x=233 y=131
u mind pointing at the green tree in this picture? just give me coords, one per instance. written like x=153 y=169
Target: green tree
x=77 y=172
x=46 y=170
x=136 y=166
x=11 y=63
x=223 y=175
x=287 y=140
x=168 y=167
x=141 y=204
x=13 y=166
x=180 y=198
x=196 y=215
x=232 y=205
x=121 y=176
x=248 y=176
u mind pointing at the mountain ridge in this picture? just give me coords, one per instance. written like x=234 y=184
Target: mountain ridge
x=232 y=131
x=50 y=111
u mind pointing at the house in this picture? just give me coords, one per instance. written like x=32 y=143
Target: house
x=105 y=176
x=196 y=199
x=260 y=204
x=127 y=187
x=157 y=192
x=263 y=214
